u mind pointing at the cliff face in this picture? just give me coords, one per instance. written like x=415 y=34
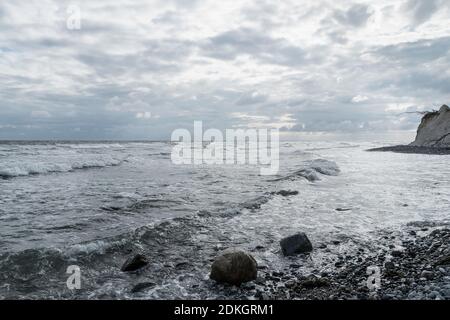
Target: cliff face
x=434 y=131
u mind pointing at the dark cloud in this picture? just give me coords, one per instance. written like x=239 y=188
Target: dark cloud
x=421 y=11
x=421 y=51
x=357 y=16
x=139 y=70
x=254 y=43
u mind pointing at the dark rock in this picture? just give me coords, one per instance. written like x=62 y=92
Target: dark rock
x=234 y=267
x=261 y=295
x=343 y=209
x=427 y=274
x=389 y=266
x=111 y=208
x=142 y=286
x=396 y=253
x=443 y=261
x=298 y=243
x=182 y=265
x=315 y=282
x=290 y=284
x=286 y=193
x=134 y=263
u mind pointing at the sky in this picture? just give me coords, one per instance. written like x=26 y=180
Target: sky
x=122 y=69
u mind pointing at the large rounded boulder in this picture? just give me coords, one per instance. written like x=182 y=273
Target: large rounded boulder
x=234 y=267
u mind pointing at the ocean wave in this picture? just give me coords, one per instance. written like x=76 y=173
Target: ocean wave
x=325 y=167
x=312 y=169
x=25 y=169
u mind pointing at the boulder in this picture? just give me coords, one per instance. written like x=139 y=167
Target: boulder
x=134 y=263
x=234 y=267
x=434 y=130
x=297 y=243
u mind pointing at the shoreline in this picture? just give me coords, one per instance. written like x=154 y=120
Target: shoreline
x=419 y=270
x=412 y=149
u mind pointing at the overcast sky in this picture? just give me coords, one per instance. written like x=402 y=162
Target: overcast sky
x=140 y=69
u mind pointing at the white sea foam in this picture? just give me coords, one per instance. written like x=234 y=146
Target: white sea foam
x=16 y=169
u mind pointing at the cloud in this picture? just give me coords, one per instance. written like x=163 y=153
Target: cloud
x=421 y=11
x=420 y=51
x=253 y=43
x=357 y=16
x=40 y=114
x=138 y=70
x=359 y=98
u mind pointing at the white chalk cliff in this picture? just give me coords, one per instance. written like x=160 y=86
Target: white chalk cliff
x=434 y=130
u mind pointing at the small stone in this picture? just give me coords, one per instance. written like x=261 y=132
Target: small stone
x=261 y=295
x=142 y=286
x=434 y=295
x=443 y=261
x=427 y=274
x=182 y=265
x=389 y=266
x=134 y=263
x=396 y=253
x=290 y=284
x=286 y=193
x=297 y=243
x=315 y=282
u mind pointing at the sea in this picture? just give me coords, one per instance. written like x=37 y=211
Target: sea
x=94 y=204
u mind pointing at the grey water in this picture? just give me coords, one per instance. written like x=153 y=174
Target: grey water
x=93 y=204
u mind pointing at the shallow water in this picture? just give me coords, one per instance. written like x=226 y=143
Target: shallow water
x=95 y=204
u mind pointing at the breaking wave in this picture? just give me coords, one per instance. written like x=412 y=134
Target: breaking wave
x=312 y=169
x=25 y=169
